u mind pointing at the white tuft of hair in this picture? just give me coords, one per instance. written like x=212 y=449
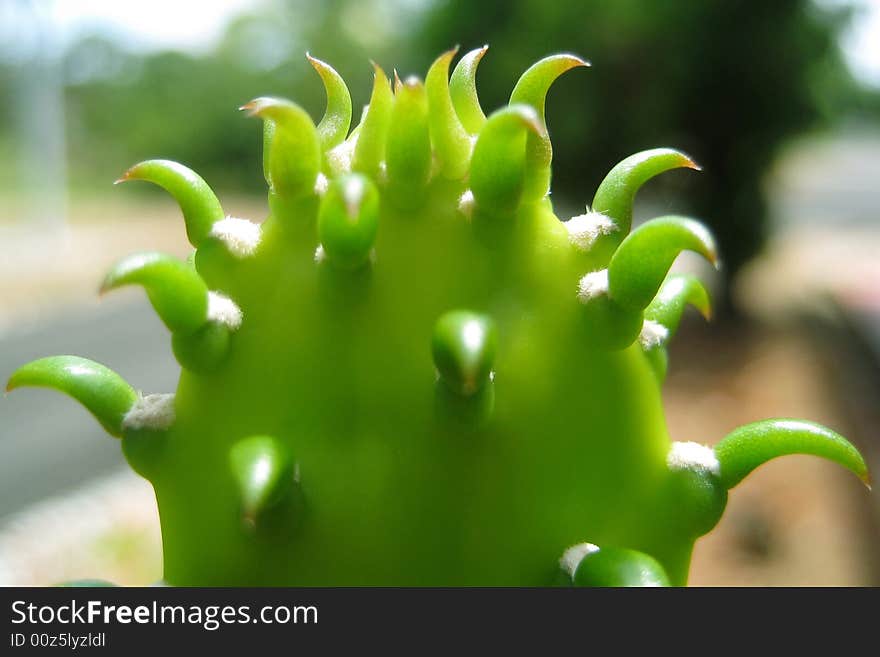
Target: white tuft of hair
x=150 y=412
x=572 y=557
x=653 y=334
x=339 y=158
x=585 y=229
x=466 y=203
x=321 y=184
x=320 y=255
x=692 y=456
x=240 y=236
x=223 y=310
x=593 y=285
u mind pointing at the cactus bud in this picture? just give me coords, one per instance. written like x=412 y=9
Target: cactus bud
x=464 y=345
x=590 y=565
x=263 y=471
x=294 y=150
x=349 y=220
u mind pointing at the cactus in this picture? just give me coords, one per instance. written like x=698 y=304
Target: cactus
x=413 y=372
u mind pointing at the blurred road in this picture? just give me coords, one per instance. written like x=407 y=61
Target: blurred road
x=48 y=443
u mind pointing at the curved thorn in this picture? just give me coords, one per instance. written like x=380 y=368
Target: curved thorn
x=499 y=159
x=615 y=195
x=531 y=89
x=639 y=266
x=104 y=393
x=677 y=291
x=749 y=446
x=451 y=141
x=463 y=347
x=589 y=565
x=197 y=201
x=263 y=471
x=463 y=91
x=408 y=152
x=348 y=220
x=334 y=126
x=177 y=292
x=533 y=85
x=369 y=151
x=294 y=156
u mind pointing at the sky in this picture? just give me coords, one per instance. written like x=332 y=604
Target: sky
x=196 y=26
x=153 y=24
x=861 y=44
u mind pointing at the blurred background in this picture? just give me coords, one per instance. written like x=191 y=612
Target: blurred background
x=778 y=101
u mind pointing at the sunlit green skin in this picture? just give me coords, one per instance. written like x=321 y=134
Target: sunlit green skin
x=317 y=444
x=338 y=366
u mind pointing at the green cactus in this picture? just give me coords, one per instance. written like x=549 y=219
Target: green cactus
x=413 y=373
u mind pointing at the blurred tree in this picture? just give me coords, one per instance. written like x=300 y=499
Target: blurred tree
x=725 y=81
x=124 y=107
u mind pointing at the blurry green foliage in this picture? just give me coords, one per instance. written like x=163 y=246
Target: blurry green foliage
x=122 y=107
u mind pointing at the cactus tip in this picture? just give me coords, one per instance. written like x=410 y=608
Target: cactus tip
x=573 y=556
x=378 y=71
x=576 y=61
